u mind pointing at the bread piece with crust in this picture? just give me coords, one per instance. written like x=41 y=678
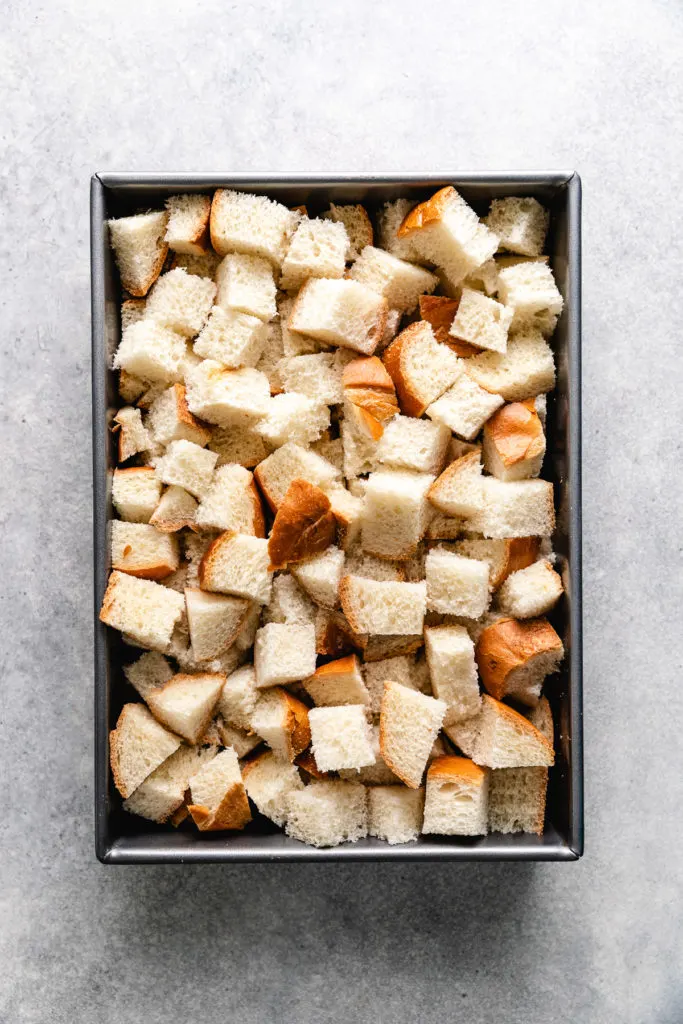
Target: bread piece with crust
x=517 y=799
x=389 y=220
x=282 y=721
x=186 y=703
x=530 y=592
x=515 y=657
x=246 y=284
x=132 y=438
x=238 y=444
x=481 y=321
x=401 y=283
x=268 y=780
x=396 y=513
x=148 y=672
x=227 y=397
x=525 y=370
x=409 y=443
x=421 y=368
x=358 y=226
x=320 y=577
x=439 y=311
x=340 y=312
x=340 y=738
x=337 y=682
x=239 y=697
x=163 y=792
x=456 y=798
x=504 y=556
x=383 y=608
x=347 y=510
x=214 y=621
x=395 y=813
x=318 y=249
x=465 y=407
x=520 y=222
x=175 y=510
x=499 y=737
x=292 y=462
x=137 y=746
x=514 y=442
x=284 y=653
x=456 y=585
x=140 y=249
x=143 y=610
x=232 y=338
x=169 y=419
x=181 y=302
x=327 y=813
x=453 y=671
x=232 y=502
x=408 y=725
x=291 y=417
x=246 y=223
x=219 y=799
x=304 y=525
x=235 y=563
x=519 y=508
x=458 y=490
x=187 y=465
x=135 y=493
x=141 y=550
x=187 y=230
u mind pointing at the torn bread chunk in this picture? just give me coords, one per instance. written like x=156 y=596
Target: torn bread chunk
x=132 y=435
x=340 y=312
x=152 y=352
x=268 y=780
x=256 y=225
x=409 y=443
x=143 y=610
x=321 y=575
x=359 y=563
x=238 y=444
x=517 y=799
x=227 y=397
x=137 y=746
x=185 y=704
x=327 y=813
x=456 y=798
x=456 y=585
x=232 y=338
x=236 y=563
x=499 y=737
x=284 y=653
x=187 y=230
x=201 y=265
x=358 y=226
x=163 y=792
x=514 y=442
x=439 y=312
x=529 y=288
x=530 y=592
x=140 y=249
x=400 y=669
x=242 y=741
x=340 y=737
x=304 y=525
x=383 y=608
x=399 y=282
x=317 y=376
x=521 y=224
x=525 y=370
x=515 y=657
x=421 y=368
x=219 y=799
x=318 y=249
x=458 y=490
x=294 y=343
x=187 y=465
x=389 y=220
x=141 y=550
x=289 y=602
x=214 y=621
x=150 y=671
x=465 y=407
x=231 y=502
x=135 y=493
x=395 y=813
x=292 y=417
x=453 y=671
x=481 y=321
x=337 y=682
x=175 y=510
x=282 y=721
x=520 y=508
x=239 y=697
x=169 y=419
x=360 y=434
x=408 y=725
x=504 y=556
x=288 y=463
x=181 y=302
x=245 y=284
x=396 y=513
x=347 y=510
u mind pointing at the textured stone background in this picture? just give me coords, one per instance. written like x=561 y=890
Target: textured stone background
x=354 y=86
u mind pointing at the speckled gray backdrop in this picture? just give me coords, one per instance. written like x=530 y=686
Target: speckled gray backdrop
x=355 y=86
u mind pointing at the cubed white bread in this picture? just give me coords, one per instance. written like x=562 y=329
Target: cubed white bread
x=292 y=462
x=453 y=671
x=340 y=737
x=320 y=577
x=347 y=509
x=187 y=465
x=214 y=620
x=376 y=648
x=200 y=264
x=395 y=813
x=543 y=321
x=293 y=342
x=439 y=312
x=291 y=417
x=232 y=338
x=542 y=718
x=169 y=419
x=241 y=222
x=181 y=302
x=525 y=370
x=140 y=249
x=131 y=388
x=185 y=704
x=458 y=490
x=337 y=682
x=227 y=397
x=391 y=329
x=389 y=220
x=409 y=443
x=529 y=288
x=317 y=376
x=144 y=610
x=456 y=798
x=236 y=444
x=135 y=493
x=304 y=526
x=331 y=448
x=152 y=391
x=517 y=798
x=377 y=774
x=360 y=434
x=519 y=508
x=465 y=407
x=268 y=780
x=481 y=321
x=150 y=351
x=503 y=555
x=141 y=550
x=289 y=602
x=383 y=608
x=150 y=671
x=514 y=658
x=246 y=637
x=358 y=226
x=359 y=563
x=421 y=368
x=246 y=284
x=236 y=563
x=457 y=585
x=239 y=697
x=442 y=527
x=520 y=222
x=327 y=813
x=241 y=740
x=132 y=311
x=284 y=653
x=232 y=502
x=333 y=635
x=499 y=737
x=137 y=746
x=400 y=669
x=219 y=799
x=399 y=282
x=408 y=725
x=175 y=510
x=340 y=312
x=447 y=232
x=530 y=592
x=163 y=792
x=396 y=513
x=132 y=435
x=318 y=249
x=281 y=720
x=272 y=355
x=188 y=223
x=484 y=278
x=514 y=442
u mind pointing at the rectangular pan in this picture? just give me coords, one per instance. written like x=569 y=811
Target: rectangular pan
x=124 y=839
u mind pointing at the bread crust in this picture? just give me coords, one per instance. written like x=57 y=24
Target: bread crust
x=439 y=311
x=518 y=720
x=210 y=556
x=304 y=525
x=383 y=742
x=367 y=372
x=139 y=291
x=521 y=553
x=393 y=359
x=233 y=812
x=259 y=519
x=187 y=418
x=154 y=571
x=378 y=405
x=346 y=665
x=509 y=644
x=306 y=761
x=516 y=432
x=332 y=636
x=297 y=728
x=429 y=212
x=450 y=767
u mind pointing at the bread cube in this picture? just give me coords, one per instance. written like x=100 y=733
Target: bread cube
x=514 y=442
x=176 y=510
x=150 y=670
x=237 y=564
x=517 y=798
x=143 y=610
x=340 y=737
x=395 y=813
x=520 y=508
x=140 y=550
x=185 y=704
x=456 y=798
x=137 y=746
x=132 y=311
x=241 y=222
x=481 y=321
x=282 y=721
x=360 y=434
x=292 y=462
x=400 y=283
x=347 y=510
x=504 y=556
x=188 y=466
x=443 y=527
x=239 y=697
x=227 y=397
x=317 y=376
x=529 y=288
x=163 y=792
x=199 y=264
x=420 y=367
x=458 y=491
x=289 y=602
x=135 y=493
x=294 y=343
x=293 y=417
x=231 y=502
x=245 y=284
x=453 y=671
x=395 y=513
x=151 y=351
x=139 y=248
x=525 y=370
x=169 y=419
x=327 y=813
x=232 y=338
x=408 y=726
x=499 y=737
x=530 y=592
x=241 y=740
x=237 y=444
x=318 y=249
x=465 y=407
x=521 y=224
x=409 y=443
x=133 y=437
x=214 y=621
x=447 y=232
x=272 y=355
x=181 y=302
x=515 y=657
x=321 y=575
x=337 y=682
x=340 y=312
x=284 y=653
x=358 y=226
x=389 y=220
x=383 y=608
x=219 y=800
x=188 y=223
x=400 y=669
x=268 y=780
x=456 y=585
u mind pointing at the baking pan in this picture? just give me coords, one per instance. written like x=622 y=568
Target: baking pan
x=124 y=839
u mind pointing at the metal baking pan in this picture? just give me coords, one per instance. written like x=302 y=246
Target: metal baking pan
x=124 y=839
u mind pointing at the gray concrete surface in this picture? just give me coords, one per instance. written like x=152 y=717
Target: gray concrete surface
x=257 y=86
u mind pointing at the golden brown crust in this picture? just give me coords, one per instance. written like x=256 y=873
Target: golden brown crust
x=429 y=212
x=232 y=813
x=508 y=644
x=346 y=600
x=450 y=766
x=178 y=679
x=384 y=744
x=521 y=553
x=181 y=813
x=393 y=359
x=367 y=372
x=306 y=761
x=520 y=722
x=365 y=422
x=454 y=469
x=304 y=525
x=187 y=418
x=377 y=405
x=303 y=210
x=348 y=665
x=210 y=556
x=439 y=311
x=109 y=598
x=516 y=432
x=297 y=727
x=158 y=571
x=259 y=519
